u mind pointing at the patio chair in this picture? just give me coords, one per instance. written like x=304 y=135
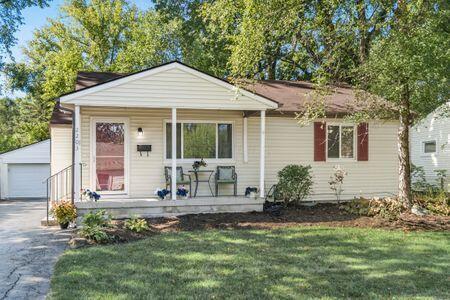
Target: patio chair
x=182 y=178
x=226 y=175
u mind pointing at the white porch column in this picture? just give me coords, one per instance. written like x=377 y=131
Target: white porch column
x=262 y=154
x=77 y=154
x=173 y=188
x=245 y=144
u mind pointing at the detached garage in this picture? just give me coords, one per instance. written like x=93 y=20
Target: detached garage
x=24 y=170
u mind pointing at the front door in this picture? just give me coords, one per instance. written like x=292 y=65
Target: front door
x=109 y=160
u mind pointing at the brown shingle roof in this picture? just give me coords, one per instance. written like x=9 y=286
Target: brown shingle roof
x=291 y=95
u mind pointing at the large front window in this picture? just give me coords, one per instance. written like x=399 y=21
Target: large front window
x=197 y=140
x=340 y=141
x=110 y=156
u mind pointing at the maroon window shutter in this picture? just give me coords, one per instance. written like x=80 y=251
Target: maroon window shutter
x=319 y=141
x=363 y=142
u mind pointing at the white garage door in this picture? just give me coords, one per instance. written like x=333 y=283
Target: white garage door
x=26 y=180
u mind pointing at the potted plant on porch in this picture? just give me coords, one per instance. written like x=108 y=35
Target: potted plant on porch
x=64 y=212
x=182 y=192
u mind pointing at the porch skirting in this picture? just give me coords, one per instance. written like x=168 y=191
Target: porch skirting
x=125 y=208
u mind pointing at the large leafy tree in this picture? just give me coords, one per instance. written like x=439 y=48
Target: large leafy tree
x=198 y=45
x=409 y=67
x=297 y=39
x=10 y=20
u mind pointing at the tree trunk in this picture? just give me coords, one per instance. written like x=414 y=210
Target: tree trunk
x=404 y=184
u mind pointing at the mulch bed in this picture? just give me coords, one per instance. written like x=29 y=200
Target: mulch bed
x=321 y=214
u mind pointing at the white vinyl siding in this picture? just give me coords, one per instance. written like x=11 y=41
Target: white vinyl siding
x=61 y=147
x=174 y=87
x=434 y=128
x=286 y=143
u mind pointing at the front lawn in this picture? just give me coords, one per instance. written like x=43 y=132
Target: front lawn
x=296 y=262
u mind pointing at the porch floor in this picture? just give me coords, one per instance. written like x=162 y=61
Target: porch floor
x=121 y=208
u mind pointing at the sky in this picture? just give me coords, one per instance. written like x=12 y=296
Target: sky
x=35 y=17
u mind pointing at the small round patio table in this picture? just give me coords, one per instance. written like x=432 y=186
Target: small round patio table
x=198 y=180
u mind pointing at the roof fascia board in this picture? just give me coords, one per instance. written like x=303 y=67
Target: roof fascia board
x=92 y=103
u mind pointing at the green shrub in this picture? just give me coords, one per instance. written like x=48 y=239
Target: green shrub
x=294 y=183
x=96 y=218
x=94 y=224
x=137 y=225
x=95 y=233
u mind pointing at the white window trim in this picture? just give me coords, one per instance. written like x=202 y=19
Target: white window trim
x=429 y=153
x=355 y=136
x=208 y=160
x=92 y=157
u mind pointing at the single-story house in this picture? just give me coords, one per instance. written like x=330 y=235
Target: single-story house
x=127 y=127
x=23 y=171
x=430 y=144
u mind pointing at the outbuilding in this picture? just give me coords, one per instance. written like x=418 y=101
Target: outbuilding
x=23 y=171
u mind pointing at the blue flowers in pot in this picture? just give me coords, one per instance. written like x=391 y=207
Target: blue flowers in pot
x=90 y=195
x=162 y=193
x=251 y=192
x=182 y=192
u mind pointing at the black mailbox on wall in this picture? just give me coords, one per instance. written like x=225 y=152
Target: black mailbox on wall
x=144 y=148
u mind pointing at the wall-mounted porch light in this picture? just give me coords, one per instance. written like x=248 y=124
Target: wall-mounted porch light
x=140 y=131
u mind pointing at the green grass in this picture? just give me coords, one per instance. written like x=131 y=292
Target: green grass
x=298 y=262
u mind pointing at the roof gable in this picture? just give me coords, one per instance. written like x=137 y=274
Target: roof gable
x=34 y=153
x=170 y=85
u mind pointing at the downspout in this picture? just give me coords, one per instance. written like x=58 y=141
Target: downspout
x=73 y=147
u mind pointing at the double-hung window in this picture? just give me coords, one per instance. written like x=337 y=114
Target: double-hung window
x=340 y=141
x=197 y=140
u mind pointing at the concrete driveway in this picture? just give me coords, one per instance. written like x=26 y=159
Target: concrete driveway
x=28 y=251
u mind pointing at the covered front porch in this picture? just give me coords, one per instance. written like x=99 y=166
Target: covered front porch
x=127 y=133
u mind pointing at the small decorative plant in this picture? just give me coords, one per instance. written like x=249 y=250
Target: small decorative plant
x=441 y=176
x=64 y=212
x=251 y=192
x=182 y=192
x=94 y=225
x=162 y=193
x=336 y=181
x=137 y=225
x=90 y=195
x=199 y=163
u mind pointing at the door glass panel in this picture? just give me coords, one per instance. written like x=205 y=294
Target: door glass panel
x=110 y=160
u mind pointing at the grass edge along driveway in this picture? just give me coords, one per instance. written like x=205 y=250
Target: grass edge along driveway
x=288 y=263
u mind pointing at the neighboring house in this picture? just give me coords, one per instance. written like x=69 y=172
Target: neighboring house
x=430 y=143
x=23 y=171
x=252 y=129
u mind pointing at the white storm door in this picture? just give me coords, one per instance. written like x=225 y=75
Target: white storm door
x=110 y=156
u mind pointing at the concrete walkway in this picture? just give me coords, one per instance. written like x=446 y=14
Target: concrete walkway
x=28 y=251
